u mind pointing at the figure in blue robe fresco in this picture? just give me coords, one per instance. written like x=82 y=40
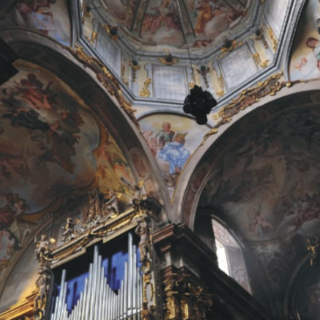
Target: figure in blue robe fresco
x=175 y=153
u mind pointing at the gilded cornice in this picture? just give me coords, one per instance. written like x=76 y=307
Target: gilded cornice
x=247 y=98
x=20 y=310
x=105 y=77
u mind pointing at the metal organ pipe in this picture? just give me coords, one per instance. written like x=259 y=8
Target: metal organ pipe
x=98 y=301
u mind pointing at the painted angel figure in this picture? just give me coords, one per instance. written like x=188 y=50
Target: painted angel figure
x=314 y=45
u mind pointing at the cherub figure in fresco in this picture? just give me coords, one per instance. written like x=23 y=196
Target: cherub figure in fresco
x=301 y=64
x=314 y=44
x=300 y=209
x=15 y=206
x=7 y=243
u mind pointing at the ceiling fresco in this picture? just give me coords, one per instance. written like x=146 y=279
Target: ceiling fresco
x=196 y=23
x=51 y=146
x=305 y=59
x=49 y=17
x=267 y=182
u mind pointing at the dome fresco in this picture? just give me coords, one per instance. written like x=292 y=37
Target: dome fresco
x=177 y=24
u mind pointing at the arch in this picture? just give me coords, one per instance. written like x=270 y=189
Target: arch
x=195 y=175
x=273 y=205
x=49 y=54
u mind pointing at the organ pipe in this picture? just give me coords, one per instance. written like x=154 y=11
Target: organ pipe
x=98 y=301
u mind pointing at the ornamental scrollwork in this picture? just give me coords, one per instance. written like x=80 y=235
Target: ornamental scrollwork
x=185 y=300
x=248 y=97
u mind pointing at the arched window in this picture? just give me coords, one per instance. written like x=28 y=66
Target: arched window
x=229 y=253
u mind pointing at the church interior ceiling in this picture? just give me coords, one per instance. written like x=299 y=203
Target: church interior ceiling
x=263 y=184
x=178 y=24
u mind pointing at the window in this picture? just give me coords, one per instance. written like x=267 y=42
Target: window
x=230 y=257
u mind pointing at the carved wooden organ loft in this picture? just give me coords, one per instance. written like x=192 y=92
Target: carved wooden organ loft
x=98 y=300
x=128 y=264
x=104 y=271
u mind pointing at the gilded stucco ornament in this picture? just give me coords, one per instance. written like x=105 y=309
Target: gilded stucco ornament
x=229 y=46
x=135 y=67
x=85 y=12
x=247 y=98
x=168 y=60
x=203 y=71
x=257 y=59
x=273 y=39
x=312 y=245
x=145 y=92
x=23 y=310
x=112 y=31
x=94 y=37
x=43 y=254
x=185 y=300
x=106 y=78
x=260 y=37
x=221 y=83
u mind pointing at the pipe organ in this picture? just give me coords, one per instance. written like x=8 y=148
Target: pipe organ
x=98 y=301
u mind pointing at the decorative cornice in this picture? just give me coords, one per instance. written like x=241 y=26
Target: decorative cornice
x=247 y=98
x=233 y=45
x=273 y=40
x=19 y=310
x=184 y=299
x=168 y=60
x=262 y=64
x=112 y=31
x=145 y=92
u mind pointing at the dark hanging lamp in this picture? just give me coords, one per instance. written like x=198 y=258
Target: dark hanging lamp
x=199 y=103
